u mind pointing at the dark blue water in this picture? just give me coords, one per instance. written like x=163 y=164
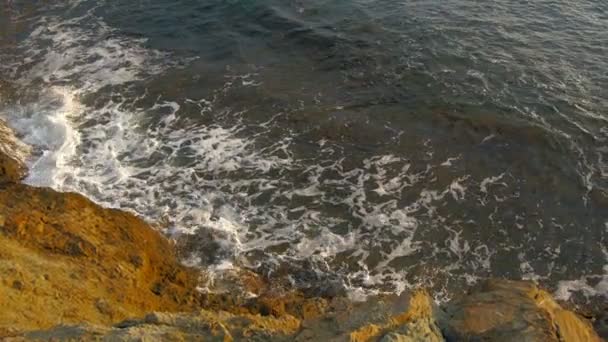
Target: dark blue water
x=362 y=146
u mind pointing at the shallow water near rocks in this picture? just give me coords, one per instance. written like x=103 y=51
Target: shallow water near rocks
x=371 y=146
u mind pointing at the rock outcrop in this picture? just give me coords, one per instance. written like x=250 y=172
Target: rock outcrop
x=343 y=321
x=500 y=311
x=10 y=169
x=65 y=260
x=12 y=152
x=71 y=270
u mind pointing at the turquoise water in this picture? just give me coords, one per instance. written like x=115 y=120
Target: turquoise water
x=356 y=146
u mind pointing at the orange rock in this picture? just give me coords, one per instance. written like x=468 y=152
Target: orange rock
x=104 y=265
x=417 y=323
x=502 y=310
x=570 y=326
x=10 y=169
x=12 y=153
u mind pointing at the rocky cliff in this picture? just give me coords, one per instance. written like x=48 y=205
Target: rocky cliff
x=71 y=270
x=66 y=260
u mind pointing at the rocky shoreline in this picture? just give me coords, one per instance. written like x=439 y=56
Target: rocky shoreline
x=72 y=270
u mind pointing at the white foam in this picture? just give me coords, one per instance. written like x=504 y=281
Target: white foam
x=483 y=187
x=325 y=244
x=457 y=189
x=46 y=125
x=566 y=288
x=61 y=51
x=449 y=161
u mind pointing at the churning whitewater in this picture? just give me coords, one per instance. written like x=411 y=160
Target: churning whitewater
x=330 y=144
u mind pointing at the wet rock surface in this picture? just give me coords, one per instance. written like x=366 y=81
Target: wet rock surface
x=12 y=152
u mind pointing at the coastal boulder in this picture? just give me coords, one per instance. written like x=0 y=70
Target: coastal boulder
x=502 y=310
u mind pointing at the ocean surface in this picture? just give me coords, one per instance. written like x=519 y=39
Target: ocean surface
x=355 y=146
